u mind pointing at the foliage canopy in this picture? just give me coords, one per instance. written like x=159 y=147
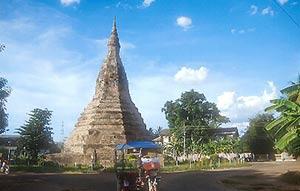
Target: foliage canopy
x=4 y=93
x=256 y=139
x=190 y=117
x=286 y=127
x=36 y=134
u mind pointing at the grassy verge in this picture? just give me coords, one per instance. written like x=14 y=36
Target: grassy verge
x=86 y=169
x=199 y=166
x=51 y=169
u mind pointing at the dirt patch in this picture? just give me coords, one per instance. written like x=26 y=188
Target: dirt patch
x=292 y=177
x=267 y=177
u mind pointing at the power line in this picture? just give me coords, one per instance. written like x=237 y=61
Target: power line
x=285 y=11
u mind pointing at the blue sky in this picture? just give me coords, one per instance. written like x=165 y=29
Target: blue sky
x=238 y=53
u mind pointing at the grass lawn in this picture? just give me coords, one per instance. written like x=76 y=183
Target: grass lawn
x=200 y=166
x=51 y=169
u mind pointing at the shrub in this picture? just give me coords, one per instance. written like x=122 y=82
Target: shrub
x=3 y=152
x=168 y=160
x=50 y=164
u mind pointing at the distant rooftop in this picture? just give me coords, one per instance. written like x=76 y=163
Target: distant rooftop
x=229 y=131
x=164 y=132
x=9 y=136
x=8 y=140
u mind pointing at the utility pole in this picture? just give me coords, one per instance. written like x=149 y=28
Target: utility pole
x=184 y=135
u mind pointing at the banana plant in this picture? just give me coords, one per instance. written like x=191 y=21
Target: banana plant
x=286 y=127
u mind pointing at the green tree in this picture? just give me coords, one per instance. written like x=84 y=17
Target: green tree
x=256 y=139
x=190 y=117
x=4 y=93
x=151 y=131
x=286 y=127
x=36 y=134
x=158 y=131
x=222 y=145
x=155 y=132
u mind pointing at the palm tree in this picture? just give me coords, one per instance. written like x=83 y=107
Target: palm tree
x=286 y=127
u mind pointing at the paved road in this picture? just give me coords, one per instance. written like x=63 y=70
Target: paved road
x=189 y=181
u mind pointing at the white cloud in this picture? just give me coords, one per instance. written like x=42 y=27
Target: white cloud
x=184 y=22
x=282 y=2
x=160 y=88
x=43 y=72
x=225 y=100
x=238 y=106
x=251 y=29
x=69 y=2
x=258 y=102
x=267 y=11
x=147 y=3
x=294 y=3
x=253 y=9
x=191 y=75
x=124 y=5
x=242 y=31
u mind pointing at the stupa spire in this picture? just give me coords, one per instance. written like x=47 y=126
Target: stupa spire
x=114 y=24
x=111 y=117
x=114 y=38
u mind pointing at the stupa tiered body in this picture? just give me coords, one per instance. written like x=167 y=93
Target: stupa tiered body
x=110 y=118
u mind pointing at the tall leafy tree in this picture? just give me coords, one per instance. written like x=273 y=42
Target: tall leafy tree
x=4 y=93
x=190 y=116
x=222 y=145
x=36 y=134
x=286 y=127
x=257 y=139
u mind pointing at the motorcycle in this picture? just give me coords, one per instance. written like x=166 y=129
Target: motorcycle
x=4 y=167
x=137 y=166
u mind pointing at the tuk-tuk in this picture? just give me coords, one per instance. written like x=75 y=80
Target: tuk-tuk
x=137 y=166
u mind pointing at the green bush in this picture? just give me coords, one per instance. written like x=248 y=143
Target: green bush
x=50 y=164
x=78 y=166
x=40 y=160
x=21 y=161
x=168 y=160
x=98 y=166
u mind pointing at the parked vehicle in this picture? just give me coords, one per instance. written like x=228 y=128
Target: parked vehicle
x=137 y=166
x=4 y=166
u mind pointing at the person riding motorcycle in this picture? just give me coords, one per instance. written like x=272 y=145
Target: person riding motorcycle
x=4 y=167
